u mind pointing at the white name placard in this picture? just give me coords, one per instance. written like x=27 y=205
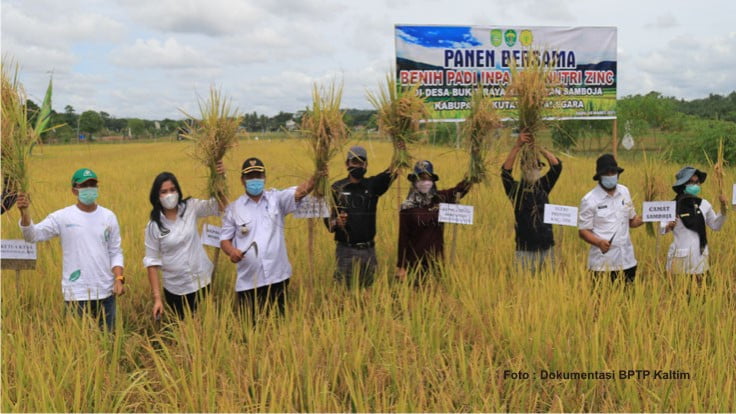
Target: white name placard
x=312 y=207
x=17 y=249
x=659 y=211
x=562 y=215
x=211 y=235
x=455 y=213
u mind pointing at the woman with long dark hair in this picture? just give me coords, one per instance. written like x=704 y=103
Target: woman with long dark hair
x=689 y=253
x=174 y=248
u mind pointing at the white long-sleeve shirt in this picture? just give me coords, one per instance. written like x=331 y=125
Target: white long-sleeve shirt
x=684 y=255
x=608 y=215
x=185 y=266
x=90 y=244
x=246 y=221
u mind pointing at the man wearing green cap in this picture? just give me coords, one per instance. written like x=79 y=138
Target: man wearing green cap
x=92 y=271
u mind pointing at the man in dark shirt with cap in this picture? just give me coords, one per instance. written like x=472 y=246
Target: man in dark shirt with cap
x=353 y=218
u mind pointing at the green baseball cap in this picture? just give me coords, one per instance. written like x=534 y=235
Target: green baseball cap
x=82 y=175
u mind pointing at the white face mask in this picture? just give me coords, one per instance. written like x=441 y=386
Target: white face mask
x=170 y=200
x=424 y=186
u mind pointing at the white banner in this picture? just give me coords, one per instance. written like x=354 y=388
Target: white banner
x=455 y=213
x=659 y=211
x=17 y=249
x=562 y=215
x=312 y=207
x=211 y=235
x=449 y=62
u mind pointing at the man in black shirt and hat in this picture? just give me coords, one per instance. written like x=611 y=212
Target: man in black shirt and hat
x=353 y=218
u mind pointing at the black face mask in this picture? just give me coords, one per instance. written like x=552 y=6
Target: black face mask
x=357 y=172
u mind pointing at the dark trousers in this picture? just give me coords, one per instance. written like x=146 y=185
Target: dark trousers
x=358 y=262
x=102 y=310
x=178 y=302
x=629 y=274
x=263 y=299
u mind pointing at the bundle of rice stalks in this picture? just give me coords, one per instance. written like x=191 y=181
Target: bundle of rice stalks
x=652 y=186
x=531 y=84
x=324 y=128
x=480 y=126
x=18 y=135
x=214 y=133
x=719 y=173
x=399 y=113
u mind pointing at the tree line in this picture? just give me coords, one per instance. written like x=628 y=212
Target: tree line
x=692 y=128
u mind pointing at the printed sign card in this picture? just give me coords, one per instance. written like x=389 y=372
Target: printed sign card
x=562 y=215
x=455 y=213
x=659 y=211
x=211 y=235
x=312 y=207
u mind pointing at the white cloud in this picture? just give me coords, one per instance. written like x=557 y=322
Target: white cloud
x=663 y=21
x=688 y=67
x=58 y=31
x=153 y=53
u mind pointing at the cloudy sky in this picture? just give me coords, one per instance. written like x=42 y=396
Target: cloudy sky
x=150 y=58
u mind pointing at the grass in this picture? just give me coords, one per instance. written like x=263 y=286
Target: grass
x=391 y=348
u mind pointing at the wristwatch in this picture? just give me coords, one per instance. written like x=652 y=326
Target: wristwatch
x=121 y=278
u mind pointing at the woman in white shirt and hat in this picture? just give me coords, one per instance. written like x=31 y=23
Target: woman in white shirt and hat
x=688 y=253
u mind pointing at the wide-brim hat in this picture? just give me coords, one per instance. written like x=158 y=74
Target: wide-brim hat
x=605 y=164
x=686 y=173
x=423 y=167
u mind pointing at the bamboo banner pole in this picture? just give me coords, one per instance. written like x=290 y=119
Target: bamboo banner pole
x=615 y=138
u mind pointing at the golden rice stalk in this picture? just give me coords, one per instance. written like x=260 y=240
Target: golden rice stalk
x=18 y=135
x=399 y=112
x=324 y=128
x=719 y=173
x=479 y=128
x=214 y=133
x=531 y=84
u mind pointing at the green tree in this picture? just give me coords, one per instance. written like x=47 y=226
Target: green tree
x=91 y=122
x=137 y=127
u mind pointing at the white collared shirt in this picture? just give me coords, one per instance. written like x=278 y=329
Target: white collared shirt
x=185 y=266
x=90 y=245
x=608 y=217
x=684 y=252
x=262 y=222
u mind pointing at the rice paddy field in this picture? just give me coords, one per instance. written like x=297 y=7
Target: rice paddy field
x=483 y=336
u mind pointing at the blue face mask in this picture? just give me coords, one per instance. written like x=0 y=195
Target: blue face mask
x=254 y=186
x=88 y=196
x=609 y=181
x=692 y=189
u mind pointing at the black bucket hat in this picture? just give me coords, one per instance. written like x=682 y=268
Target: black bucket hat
x=685 y=174
x=605 y=164
x=423 y=167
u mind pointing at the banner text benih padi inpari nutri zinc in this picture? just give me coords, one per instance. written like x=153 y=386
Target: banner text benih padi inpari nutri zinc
x=448 y=62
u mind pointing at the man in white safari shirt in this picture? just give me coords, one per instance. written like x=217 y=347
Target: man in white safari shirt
x=605 y=216
x=92 y=271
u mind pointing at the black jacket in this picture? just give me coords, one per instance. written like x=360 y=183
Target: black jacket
x=532 y=234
